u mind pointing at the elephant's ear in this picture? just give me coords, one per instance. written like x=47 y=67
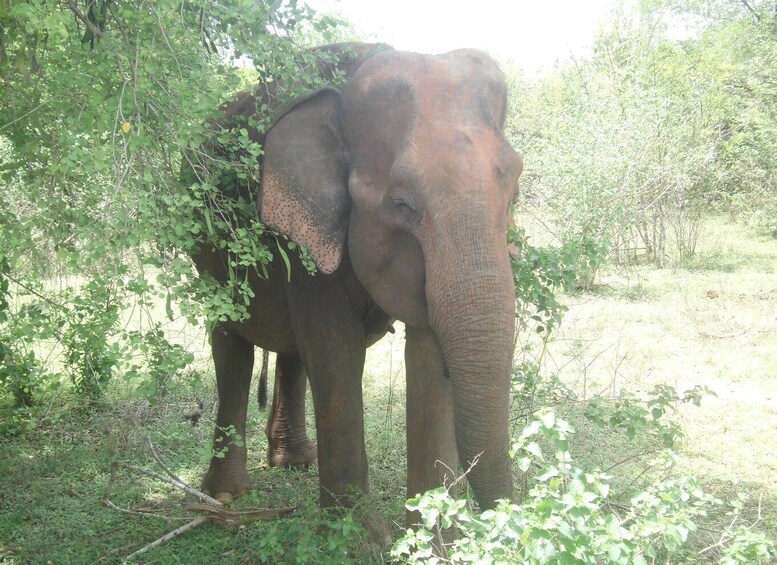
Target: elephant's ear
x=304 y=191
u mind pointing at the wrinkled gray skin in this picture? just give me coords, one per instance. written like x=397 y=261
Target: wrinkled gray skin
x=399 y=185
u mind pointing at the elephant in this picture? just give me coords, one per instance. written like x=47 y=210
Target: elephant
x=399 y=185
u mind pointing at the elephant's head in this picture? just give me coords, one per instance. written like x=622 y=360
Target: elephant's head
x=408 y=170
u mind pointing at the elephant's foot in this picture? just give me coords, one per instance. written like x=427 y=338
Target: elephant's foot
x=378 y=530
x=225 y=484
x=300 y=455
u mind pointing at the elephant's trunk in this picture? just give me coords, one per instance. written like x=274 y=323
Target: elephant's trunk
x=471 y=301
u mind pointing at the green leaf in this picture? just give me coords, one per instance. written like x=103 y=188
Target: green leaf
x=547 y=474
x=548 y=419
x=286 y=262
x=534 y=449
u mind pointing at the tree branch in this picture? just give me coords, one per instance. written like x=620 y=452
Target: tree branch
x=81 y=16
x=747 y=5
x=213 y=509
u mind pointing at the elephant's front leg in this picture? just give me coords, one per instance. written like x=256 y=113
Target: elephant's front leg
x=331 y=343
x=234 y=361
x=432 y=457
x=289 y=445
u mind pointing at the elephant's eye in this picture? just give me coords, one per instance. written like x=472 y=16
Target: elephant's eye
x=402 y=204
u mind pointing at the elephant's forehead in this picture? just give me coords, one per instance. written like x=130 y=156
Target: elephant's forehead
x=419 y=67
x=438 y=86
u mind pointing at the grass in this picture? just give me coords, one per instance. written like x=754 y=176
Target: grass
x=712 y=323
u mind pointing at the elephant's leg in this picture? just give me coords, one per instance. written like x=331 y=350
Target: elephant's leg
x=335 y=381
x=331 y=342
x=234 y=361
x=286 y=430
x=432 y=456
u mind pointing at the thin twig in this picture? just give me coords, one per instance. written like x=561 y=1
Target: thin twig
x=202 y=497
x=727 y=533
x=169 y=45
x=751 y=9
x=723 y=537
x=630 y=458
x=161 y=464
x=117 y=21
x=167 y=537
x=221 y=516
x=141 y=513
x=81 y=16
x=12 y=122
x=461 y=477
x=34 y=292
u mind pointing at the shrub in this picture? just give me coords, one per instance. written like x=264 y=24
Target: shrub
x=569 y=516
x=538 y=272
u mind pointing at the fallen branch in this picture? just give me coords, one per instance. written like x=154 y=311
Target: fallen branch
x=202 y=497
x=167 y=537
x=238 y=518
x=140 y=513
x=161 y=463
x=215 y=510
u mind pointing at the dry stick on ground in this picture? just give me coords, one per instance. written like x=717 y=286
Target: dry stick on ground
x=215 y=509
x=167 y=537
x=141 y=513
x=153 y=474
x=165 y=468
x=227 y=517
x=176 y=483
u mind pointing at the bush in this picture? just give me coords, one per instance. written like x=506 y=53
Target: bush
x=570 y=516
x=21 y=375
x=641 y=142
x=538 y=272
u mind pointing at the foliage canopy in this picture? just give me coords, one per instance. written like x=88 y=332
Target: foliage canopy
x=100 y=101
